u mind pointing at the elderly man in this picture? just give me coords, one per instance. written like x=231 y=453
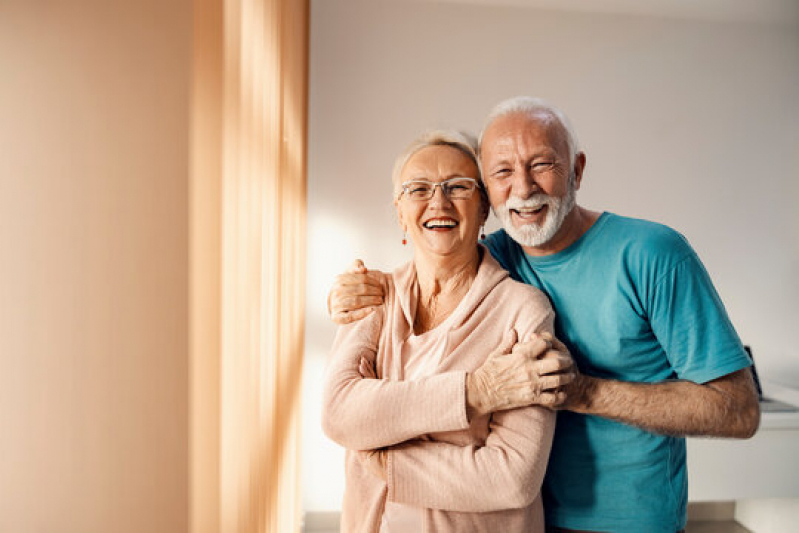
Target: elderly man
x=656 y=357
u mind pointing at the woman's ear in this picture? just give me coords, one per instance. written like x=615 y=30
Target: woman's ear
x=484 y=213
x=399 y=215
x=485 y=207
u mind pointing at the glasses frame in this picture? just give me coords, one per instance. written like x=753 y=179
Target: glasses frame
x=441 y=184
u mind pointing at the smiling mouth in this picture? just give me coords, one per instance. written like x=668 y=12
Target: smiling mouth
x=529 y=213
x=440 y=224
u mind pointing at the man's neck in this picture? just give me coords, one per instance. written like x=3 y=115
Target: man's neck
x=574 y=226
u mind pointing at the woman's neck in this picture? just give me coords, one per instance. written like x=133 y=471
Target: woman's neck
x=443 y=282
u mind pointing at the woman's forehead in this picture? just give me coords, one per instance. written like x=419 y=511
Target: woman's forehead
x=440 y=159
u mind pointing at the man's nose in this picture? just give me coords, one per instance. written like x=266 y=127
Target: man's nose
x=524 y=184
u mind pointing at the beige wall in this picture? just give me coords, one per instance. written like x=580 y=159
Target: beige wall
x=93 y=272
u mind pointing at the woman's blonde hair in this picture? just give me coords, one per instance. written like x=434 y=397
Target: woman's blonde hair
x=459 y=140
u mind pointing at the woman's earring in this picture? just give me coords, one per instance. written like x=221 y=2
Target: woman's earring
x=482 y=233
x=404 y=240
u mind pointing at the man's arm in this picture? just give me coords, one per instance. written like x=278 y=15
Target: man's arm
x=530 y=374
x=724 y=407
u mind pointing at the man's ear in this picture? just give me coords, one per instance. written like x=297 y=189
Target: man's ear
x=579 y=168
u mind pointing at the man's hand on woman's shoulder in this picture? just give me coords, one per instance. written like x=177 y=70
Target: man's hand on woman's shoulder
x=355 y=293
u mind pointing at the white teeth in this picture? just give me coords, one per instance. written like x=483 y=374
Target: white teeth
x=528 y=210
x=432 y=224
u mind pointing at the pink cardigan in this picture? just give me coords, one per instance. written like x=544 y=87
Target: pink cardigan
x=482 y=475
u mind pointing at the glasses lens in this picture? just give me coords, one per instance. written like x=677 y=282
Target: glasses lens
x=419 y=190
x=459 y=187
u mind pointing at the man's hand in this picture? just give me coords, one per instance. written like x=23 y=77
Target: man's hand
x=518 y=375
x=355 y=294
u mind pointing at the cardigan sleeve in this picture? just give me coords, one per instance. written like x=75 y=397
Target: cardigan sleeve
x=363 y=414
x=506 y=472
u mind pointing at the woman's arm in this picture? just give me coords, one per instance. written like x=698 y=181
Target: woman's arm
x=362 y=414
x=505 y=473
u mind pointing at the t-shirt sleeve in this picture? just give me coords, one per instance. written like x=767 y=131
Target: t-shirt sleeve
x=691 y=324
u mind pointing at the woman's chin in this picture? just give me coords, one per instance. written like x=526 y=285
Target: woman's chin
x=444 y=247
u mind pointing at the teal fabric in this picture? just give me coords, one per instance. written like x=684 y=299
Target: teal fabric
x=633 y=303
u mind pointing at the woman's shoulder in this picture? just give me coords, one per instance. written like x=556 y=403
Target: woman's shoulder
x=516 y=293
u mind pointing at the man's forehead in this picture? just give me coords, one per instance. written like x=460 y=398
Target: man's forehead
x=539 y=129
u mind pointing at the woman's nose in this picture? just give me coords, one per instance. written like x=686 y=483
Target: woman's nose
x=439 y=198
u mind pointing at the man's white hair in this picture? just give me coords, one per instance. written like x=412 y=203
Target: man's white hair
x=533 y=107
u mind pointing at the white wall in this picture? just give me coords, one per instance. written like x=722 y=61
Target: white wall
x=685 y=121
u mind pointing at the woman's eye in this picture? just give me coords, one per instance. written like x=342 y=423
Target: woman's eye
x=501 y=173
x=419 y=189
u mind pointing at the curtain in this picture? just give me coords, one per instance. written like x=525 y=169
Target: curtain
x=249 y=108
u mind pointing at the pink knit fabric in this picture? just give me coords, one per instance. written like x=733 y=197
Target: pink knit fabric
x=482 y=475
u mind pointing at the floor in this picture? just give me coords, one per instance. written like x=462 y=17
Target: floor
x=716 y=526
x=706 y=517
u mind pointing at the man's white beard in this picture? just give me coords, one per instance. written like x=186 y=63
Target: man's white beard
x=533 y=235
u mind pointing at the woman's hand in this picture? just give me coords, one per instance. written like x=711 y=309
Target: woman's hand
x=366 y=369
x=520 y=374
x=355 y=294
x=375 y=462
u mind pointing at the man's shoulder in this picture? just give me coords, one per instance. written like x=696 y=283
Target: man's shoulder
x=503 y=248
x=646 y=238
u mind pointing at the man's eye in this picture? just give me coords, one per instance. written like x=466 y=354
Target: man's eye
x=543 y=166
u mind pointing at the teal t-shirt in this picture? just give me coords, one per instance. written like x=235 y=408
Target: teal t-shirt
x=633 y=303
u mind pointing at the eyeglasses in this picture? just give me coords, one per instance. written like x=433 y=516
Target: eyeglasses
x=453 y=188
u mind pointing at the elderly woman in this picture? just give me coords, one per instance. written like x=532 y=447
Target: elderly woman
x=415 y=462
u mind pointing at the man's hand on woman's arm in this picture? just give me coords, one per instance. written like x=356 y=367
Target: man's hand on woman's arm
x=520 y=374
x=516 y=374
x=355 y=294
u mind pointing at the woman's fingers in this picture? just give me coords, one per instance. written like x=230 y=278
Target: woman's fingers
x=366 y=370
x=533 y=348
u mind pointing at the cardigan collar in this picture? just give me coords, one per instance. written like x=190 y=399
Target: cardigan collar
x=489 y=274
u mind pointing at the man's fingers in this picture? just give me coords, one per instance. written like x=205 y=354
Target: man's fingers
x=356 y=302
x=360 y=313
x=554 y=381
x=342 y=318
x=552 y=399
x=356 y=266
x=359 y=281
